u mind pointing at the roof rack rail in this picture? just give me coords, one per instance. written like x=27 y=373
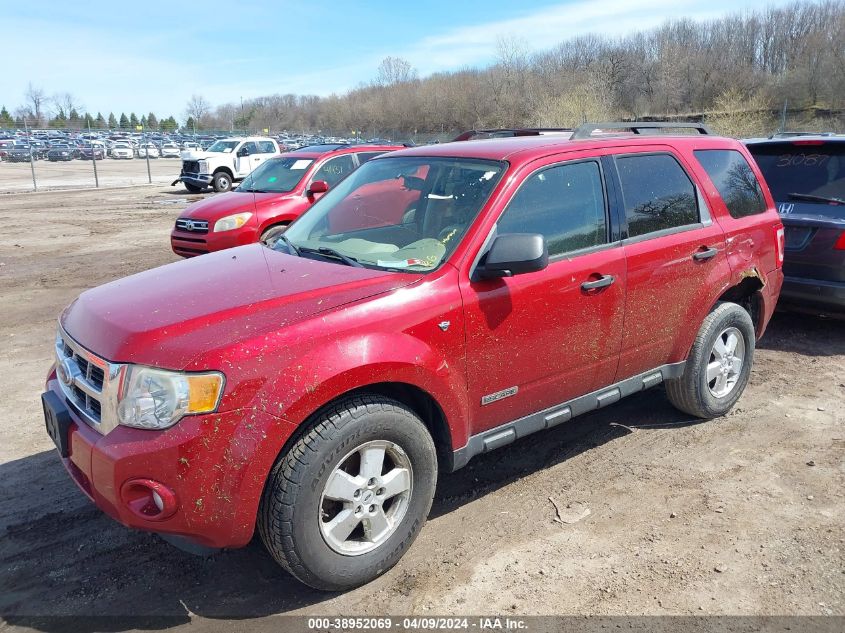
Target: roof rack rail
x=636 y=127
x=505 y=132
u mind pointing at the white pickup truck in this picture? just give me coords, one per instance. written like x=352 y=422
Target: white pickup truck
x=227 y=161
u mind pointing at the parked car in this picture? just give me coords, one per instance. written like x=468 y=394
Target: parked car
x=271 y=197
x=170 y=150
x=806 y=174
x=314 y=390
x=61 y=153
x=21 y=154
x=95 y=153
x=122 y=151
x=5 y=146
x=224 y=163
x=148 y=150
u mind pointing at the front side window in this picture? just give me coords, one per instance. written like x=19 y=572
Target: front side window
x=248 y=149
x=734 y=181
x=657 y=192
x=402 y=214
x=363 y=157
x=335 y=169
x=565 y=204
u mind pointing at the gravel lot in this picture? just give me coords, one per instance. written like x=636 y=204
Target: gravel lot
x=666 y=515
x=74 y=174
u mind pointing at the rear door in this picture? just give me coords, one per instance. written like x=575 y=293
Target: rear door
x=675 y=255
x=539 y=339
x=266 y=149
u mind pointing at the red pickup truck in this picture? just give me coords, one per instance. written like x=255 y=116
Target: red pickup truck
x=276 y=193
x=438 y=303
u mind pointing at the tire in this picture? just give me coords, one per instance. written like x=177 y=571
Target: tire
x=292 y=518
x=272 y=233
x=192 y=188
x=693 y=393
x=221 y=182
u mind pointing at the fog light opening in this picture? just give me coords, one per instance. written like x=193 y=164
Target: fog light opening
x=149 y=499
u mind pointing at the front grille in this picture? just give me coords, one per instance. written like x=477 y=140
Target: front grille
x=193 y=226
x=81 y=378
x=191 y=166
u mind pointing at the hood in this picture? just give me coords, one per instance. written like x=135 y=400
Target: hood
x=215 y=207
x=194 y=154
x=169 y=316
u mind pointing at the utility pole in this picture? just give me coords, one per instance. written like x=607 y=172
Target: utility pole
x=31 y=157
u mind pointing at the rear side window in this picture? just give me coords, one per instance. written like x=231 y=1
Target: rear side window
x=266 y=147
x=734 y=180
x=565 y=204
x=657 y=192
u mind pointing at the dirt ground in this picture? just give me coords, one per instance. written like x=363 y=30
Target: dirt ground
x=666 y=515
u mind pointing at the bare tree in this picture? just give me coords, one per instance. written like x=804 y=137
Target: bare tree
x=395 y=70
x=37 y=97
x=197 y=107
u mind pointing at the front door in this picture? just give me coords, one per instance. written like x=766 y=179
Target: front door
x=539 y=339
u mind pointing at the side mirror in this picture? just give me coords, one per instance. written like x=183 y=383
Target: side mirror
x=318 y=186
x=514 y=254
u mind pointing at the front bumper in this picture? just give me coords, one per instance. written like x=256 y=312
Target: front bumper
x=208 y=462
x=199 y=180
x=816 y=294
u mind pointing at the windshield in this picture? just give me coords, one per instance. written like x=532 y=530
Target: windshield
x=403 y=214
x=810 y=170
x=277 y=175
x=223 y=147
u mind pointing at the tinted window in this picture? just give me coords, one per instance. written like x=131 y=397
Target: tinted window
x=734 y=180
x=266 y=147
x=333 y=170
x=816 y=170
x=363 y=157
x=249 y=148
x=658 y=193
x=565 y=204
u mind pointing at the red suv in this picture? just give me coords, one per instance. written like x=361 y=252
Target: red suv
x=267 y=200
x=438 y=303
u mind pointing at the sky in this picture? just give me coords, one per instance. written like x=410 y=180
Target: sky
x=153 y=55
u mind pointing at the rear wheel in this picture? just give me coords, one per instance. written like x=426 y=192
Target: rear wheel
x=346 y=501
x=221 y=182
x=192 y=188
x=718 y=365
x=271 y=235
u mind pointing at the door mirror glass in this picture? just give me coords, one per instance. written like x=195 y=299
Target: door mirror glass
x=318 y=186
x=515 y=254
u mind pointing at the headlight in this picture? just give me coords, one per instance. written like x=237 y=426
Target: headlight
x=231 y=222
x=203 y=166
x=158 y=399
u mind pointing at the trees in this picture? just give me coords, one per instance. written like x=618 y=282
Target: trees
x=37 y=97
x=133 y=120
x=112 y=121
x=152 y=121
x=124 y=121
x=99 y=122
x=6 y=120
x=197 y=108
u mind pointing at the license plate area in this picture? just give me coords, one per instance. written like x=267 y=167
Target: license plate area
x=57 y=420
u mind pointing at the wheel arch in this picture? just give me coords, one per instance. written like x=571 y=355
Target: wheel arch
x=748 y=293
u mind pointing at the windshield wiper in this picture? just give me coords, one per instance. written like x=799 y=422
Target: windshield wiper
x=241 y=189
x=325 y=250
x=289 y=244
x=812 y=198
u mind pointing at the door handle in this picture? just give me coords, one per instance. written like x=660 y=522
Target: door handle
x=704 y=255
x=603 y=282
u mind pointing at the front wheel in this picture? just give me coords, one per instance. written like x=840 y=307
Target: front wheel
x=221 y=182
x=192 y=188
x=347 y=500
x=271 y=235
x=718 y=365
